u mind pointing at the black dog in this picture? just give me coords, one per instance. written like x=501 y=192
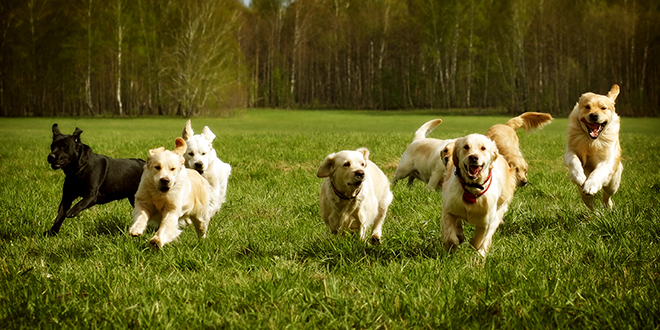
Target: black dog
x=98 y=179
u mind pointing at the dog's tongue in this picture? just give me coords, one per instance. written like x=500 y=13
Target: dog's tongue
x=474 y=170
x=594 y=128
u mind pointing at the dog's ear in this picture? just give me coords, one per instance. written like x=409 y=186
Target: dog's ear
x=613 y=93
x=494 y=153
x=187 y=131
x=327 y=167
x=454 y=155
x=76 y=134
x=207 y=134
x=365 y=154
x=180 y=146
x=56 y=131
x=155 y=151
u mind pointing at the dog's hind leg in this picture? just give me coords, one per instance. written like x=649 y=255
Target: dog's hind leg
x=201 y=226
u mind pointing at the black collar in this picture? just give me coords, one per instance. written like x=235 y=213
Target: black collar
x=342 y=196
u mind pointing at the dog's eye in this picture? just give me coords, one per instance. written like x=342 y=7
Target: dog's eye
x=466 y=147
x=157 y=168
x=362 y=164
x=588 y=107
x=603 y=108
x=517 y=170
x=203 y=154
x=347 y=164
x=483 y=148
x=191 y=154
x=173 y=169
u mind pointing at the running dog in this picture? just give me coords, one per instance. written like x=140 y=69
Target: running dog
x=422 y=159
x=170 y=192
x=478 y=192
x=355 y=193
x=506 y=139
x=98 y=179
x=593 y=152
x=201 y=156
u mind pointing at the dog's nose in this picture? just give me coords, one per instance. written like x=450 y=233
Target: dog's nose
x=359 y=174
x=522 y=183
x=164 y=181
x=199 y=165
x=51 y=158
x=473 y=158
x=593 y=116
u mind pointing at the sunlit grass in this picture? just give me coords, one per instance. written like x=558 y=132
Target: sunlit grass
x=268 y=262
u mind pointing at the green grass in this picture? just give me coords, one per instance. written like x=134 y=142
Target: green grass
x=268 y=262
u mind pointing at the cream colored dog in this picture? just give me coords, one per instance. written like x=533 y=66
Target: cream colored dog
x=506 y=139
x=422 y=159
x=478 y=192
x=201 y=157
x=170 y=192
x=593 y=153
x=355 y=193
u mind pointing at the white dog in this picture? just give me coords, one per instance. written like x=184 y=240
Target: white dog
x=201 y=157
x=355 y=193
x=170 y=192
x=478 y=192
x=593 y=153
x=423 y=159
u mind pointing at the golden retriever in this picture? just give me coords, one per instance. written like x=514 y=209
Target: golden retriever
x=422 y=159
x=506 y=139
x=355 y=193
x=169 y=192
x=478 y=191
x=593 y=153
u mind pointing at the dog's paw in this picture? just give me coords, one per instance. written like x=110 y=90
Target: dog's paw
x=579 y=179
x=135 y=232
x=375 y=240
x=591 y=187
x=50 y=233
x=155 y=242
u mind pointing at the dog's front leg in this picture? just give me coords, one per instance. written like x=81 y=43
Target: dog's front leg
x=598 y=176
x=452 y=235
x=140 y=218
x=65 y=205
x=574 y=165
x=168 y=230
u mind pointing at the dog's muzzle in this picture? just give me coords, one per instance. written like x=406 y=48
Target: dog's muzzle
x=164 y=185
x=52 y=160
x=199 y=167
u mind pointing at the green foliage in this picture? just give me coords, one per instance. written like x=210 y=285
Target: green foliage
x=269 y=263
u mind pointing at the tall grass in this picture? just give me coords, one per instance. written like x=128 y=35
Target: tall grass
x=268 y=262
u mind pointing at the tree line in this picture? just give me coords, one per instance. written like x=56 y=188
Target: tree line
x=208 y=57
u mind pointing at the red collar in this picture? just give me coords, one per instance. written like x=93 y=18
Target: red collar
x=469 y=197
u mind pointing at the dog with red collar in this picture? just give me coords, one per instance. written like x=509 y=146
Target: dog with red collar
x=478 y=192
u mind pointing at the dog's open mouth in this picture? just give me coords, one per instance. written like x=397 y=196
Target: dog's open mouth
x=55 y=166
x=594 y=128
x=164 y=188
x=201 y=172
x=473 y=171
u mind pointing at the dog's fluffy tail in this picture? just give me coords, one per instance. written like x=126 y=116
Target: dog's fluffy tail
x=427 y=128
x=530 y=121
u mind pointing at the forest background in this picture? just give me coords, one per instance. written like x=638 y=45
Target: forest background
x=210 y=57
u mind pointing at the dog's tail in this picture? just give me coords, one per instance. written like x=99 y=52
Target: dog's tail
x=427 y=128
x=530 y=121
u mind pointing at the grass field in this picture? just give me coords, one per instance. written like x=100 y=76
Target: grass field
x=268 y=262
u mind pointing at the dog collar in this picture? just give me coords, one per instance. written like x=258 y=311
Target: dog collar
x=342 y=196
x=469 y=197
